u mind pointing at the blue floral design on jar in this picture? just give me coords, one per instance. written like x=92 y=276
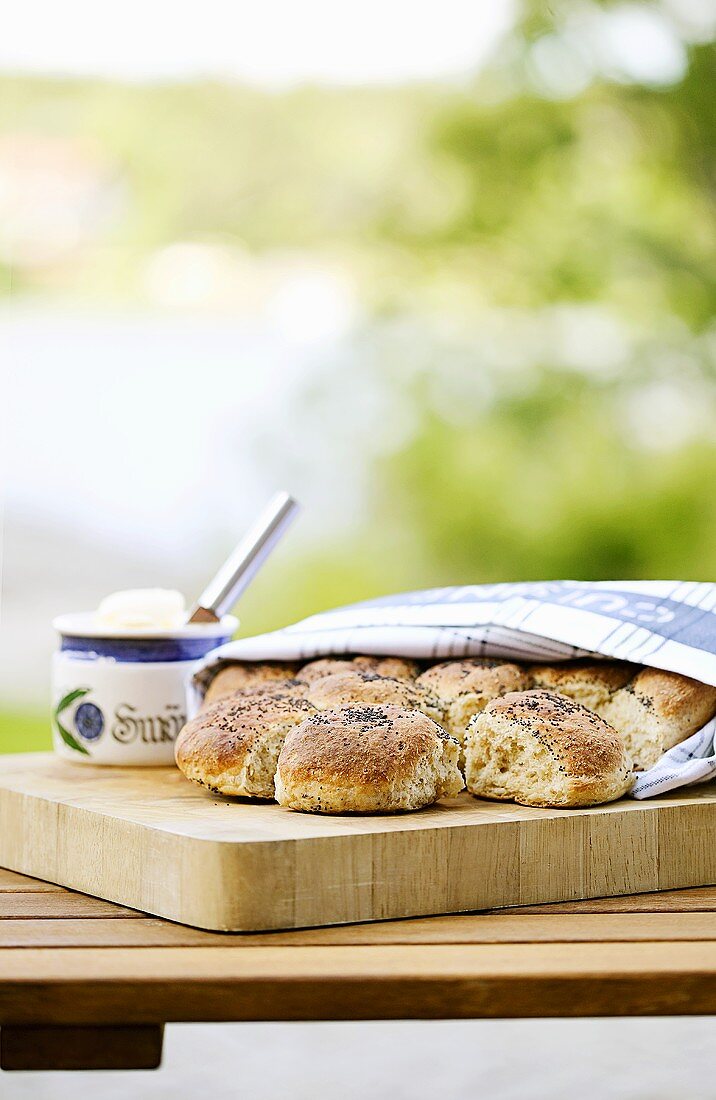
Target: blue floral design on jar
x=89 y=721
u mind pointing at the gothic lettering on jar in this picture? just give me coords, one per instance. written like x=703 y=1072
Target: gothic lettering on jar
x=152 y=729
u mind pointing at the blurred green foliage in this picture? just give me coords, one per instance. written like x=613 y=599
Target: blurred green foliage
x=537 y=276
x=433 y=196
x=22 y=732
x=547 y=487
x=525 y=458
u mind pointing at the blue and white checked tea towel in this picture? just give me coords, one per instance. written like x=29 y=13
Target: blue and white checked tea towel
x=666 y=624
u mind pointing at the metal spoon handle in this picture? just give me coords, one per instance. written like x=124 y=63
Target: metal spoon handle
x=237 y=572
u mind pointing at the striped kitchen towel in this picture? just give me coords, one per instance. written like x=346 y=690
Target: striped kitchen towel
x=665 y=624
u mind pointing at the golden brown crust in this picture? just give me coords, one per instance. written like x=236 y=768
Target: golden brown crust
x=461 y=689
x=366 y=759
x=355 y=688
x=544 y=749
x=657 y=710
x=213 y=748
x=473 y=676
x=582 y=679
x=359 y=746
x=591 y=683
x=585 y=744
x=677 y=699
x=295 y=689
x=474 y=662
x=399 y=668
x=246 y=676
x=324 y=666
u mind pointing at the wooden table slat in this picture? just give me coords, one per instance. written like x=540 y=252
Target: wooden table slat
x=58 y=902
x=39 y=905
x=374 y=961
x=691 y=900
x=12 y=881
x=71 y=960
x=115 y=985
x=471 y=929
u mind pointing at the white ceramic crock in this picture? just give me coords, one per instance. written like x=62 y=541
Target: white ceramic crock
x=121 y=697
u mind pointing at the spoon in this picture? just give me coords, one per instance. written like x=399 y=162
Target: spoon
x=242 y=565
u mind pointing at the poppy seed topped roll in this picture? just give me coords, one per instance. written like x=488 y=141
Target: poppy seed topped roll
x=591 y=683
x=464 y=688
x=543 y=749
x=399 y=668
x=244 y=676
x=367 y=759
x=232 y=748
x=324 y=666
x=656 y=710
x=355 y=688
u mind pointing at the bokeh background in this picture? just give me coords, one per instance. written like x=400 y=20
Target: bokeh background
x=444 y=270
x=447 y=274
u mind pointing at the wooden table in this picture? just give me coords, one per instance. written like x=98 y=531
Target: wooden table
x=87 y=985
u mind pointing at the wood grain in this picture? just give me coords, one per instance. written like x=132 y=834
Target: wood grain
x=68 y=970
x=148 y=839
x=39 y=904
x=505 y=928
x=12 y=881
x=112 y=985
x=693 y=900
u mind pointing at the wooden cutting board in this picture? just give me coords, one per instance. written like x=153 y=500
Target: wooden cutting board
x=147 y=838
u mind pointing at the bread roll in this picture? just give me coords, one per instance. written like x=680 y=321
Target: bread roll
x=294 y=688
x=324 y=666
x=543 y=749
x=464 y=688
x=232 y=748
x=399 y=668
x=658 y=709
x=247 y=675
x=367 y=759
x=591 y=683
x=354 y=688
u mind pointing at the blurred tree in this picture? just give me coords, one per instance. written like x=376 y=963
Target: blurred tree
x=482 y=211
x=546 y=486
x=606 y=195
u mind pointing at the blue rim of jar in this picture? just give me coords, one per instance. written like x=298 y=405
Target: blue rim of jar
x=140 y=650
x=81 y=637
